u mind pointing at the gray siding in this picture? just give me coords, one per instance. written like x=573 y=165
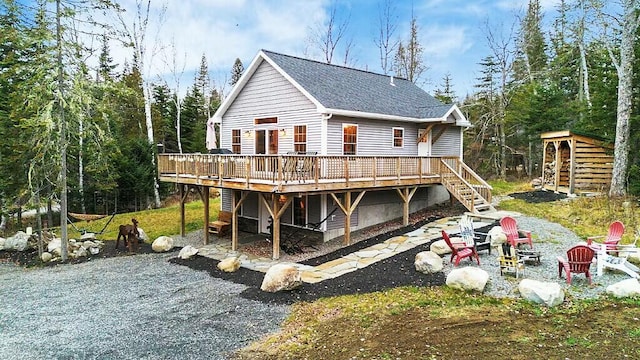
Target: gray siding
x=449 y=142
x=375 y=137
x=269 y=94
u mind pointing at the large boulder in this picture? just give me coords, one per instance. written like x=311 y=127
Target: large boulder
x=162 y=244
x=281 y=277
x=468 y=278
x=46 y=256
x=230 y=264
x=540 y=292
x=624 y=288
x=187 y=252
x=496 y=236
x=18 y=242
x=428 y=262
x=440 y=247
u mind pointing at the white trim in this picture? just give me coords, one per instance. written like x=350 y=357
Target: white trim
x=393 y=137
x=368 y=115
x=342 y=136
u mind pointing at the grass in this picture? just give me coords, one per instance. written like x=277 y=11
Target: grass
x=155 y=223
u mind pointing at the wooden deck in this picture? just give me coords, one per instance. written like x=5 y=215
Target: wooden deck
x=302 y=173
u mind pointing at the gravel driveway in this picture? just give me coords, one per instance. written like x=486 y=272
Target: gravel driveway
x=132 y=307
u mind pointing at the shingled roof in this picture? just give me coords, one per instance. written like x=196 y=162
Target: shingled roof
x=340 y=89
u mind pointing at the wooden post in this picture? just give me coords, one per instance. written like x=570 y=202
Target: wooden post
x=205 y=201
x=556 y=144
x=406 y=194
x=347 y=208
x=183 y=195
x=276 y=211
x=572 y=165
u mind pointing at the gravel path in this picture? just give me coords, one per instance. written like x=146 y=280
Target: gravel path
x=160 y=310
x=132 y=307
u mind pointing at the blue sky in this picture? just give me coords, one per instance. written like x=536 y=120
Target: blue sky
x=451 y=32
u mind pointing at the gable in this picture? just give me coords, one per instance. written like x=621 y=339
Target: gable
x=268 y=93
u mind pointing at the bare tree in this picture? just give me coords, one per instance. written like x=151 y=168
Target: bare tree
x=387 y=28
x=503 y=54
x=409 y=60
x=327 y=37
x=136 y=34
x=176 y=69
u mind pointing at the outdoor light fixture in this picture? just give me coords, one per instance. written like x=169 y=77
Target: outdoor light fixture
x=283 y=132
x=247 y=133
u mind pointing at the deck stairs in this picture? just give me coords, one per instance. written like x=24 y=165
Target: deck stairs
x=467 y=187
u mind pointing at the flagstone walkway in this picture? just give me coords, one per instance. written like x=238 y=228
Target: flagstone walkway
x=356 y=260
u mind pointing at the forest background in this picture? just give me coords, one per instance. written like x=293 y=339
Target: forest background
x=88 y=135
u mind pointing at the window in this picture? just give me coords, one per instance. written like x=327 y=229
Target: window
x=236 y=141
x=300 y=138
x=398 y=137
x=269 y=120
x=349 y=139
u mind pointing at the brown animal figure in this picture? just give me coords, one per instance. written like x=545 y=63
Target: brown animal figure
x=129 y=234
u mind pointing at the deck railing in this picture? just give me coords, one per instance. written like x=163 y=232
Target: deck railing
x=301 y=168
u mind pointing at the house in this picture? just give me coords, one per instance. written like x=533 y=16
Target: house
x=576 y=163
x=321 y=150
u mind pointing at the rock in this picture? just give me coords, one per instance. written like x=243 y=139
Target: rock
x=230 y=264
x=54 y=244
x=281 y=277
x=162 y=244
x=94 y=250
x=142 y=235
x=440 y=247
x=536 y=182
x=18 y=242
x=88 y=236
x=428 y=262
x=79 y=252
x=624 y=288
x=88 y=244
x=46 y=256
x=496 y=236
x=468 y=278
x=539 y=292
x=187 y=252
x=2 y=240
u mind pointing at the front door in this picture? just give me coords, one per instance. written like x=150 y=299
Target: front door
x=424 y=148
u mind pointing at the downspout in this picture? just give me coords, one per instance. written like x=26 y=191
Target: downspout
x=323 y=151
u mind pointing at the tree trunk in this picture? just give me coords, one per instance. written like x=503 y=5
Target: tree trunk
x=625 y=94
x=147 y=114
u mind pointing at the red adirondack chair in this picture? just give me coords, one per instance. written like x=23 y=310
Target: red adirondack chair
x=460 y=251
x=515 y=236
x=613 y=237
x=578 y=261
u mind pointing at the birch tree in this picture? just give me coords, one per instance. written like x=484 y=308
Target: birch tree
x=624 y=68
x=135 y=32
x=386 y=42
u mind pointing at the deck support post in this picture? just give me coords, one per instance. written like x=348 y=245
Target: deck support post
x=347 y=208
x=276 y=210
x=205 y=201
x=406 y=194
x=183 y=195
x=235 y=206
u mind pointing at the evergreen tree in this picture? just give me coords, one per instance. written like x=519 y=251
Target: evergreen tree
x=236 y=72
x=446 y=93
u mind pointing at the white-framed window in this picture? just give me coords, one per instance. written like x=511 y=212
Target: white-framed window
x=236 y=141
x=398 y=137
x=349 y=139
x=300 y=138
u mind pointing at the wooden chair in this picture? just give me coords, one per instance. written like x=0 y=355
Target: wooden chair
x=460 y=251
x=613 y=237
x=509 y=260
x=515 y=237
x=470 y=236
x=221 y=225
x=578 y=261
